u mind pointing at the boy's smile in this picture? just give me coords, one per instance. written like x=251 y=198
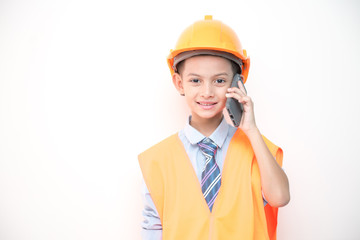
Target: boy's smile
x=207 y=105
x=204 y=80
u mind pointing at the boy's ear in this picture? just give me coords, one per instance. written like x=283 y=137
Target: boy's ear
x=178 y=83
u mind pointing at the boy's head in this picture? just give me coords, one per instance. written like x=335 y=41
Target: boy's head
x=203 y=63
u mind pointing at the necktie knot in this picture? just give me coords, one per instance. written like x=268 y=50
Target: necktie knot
x=208 y=147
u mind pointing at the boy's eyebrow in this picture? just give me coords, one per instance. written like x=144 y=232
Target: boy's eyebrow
x=194 y=74
x=223 y=73
x=218 y=74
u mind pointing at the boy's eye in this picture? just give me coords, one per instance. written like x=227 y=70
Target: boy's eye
x=195 y=80
x=220 y=80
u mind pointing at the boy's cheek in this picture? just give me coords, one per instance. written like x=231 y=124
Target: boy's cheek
x=224 y=91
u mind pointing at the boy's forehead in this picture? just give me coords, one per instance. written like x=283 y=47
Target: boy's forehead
x=207 y=62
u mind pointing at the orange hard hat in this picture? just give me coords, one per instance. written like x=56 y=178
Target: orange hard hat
x=210 y=37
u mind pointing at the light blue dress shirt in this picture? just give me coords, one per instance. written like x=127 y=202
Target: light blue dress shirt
x=189 y=136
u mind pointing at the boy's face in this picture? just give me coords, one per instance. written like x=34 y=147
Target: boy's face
x=204 y=80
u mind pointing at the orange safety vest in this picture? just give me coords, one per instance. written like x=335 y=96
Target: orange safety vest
x=238 y=211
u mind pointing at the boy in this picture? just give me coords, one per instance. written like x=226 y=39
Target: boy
x=212 y=180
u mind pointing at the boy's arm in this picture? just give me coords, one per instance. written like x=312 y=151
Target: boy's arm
x=274 y=182
x=151 y=225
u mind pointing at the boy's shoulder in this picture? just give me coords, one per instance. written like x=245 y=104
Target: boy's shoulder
x=161 y=147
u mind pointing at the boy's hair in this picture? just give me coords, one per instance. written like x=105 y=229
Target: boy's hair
x=234 y=66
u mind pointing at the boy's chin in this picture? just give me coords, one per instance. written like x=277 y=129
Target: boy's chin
x=208 y=116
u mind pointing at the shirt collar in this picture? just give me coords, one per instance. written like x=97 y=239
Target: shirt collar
x=218 y=136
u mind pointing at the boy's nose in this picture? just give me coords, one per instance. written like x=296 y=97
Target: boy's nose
x=207 y=90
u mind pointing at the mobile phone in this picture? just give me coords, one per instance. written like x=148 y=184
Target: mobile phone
x=233 y=107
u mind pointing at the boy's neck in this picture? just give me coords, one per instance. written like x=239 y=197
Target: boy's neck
x=205 y=126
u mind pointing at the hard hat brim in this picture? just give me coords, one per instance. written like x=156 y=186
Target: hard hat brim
x=188 y=54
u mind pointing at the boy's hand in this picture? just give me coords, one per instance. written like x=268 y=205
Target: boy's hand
x=247 y=122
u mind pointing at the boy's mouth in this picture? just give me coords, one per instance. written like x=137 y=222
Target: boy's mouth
x=206 y=105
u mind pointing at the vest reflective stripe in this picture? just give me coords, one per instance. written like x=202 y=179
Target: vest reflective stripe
x=238 y=211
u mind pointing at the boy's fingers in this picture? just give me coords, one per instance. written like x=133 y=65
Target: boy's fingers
x=241 y=86
x=238 y=91
x=233 y=95
x=246 y=99
x=242 y=99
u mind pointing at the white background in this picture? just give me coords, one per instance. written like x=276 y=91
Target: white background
x=84 y=88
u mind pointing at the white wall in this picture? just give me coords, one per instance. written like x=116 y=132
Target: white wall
x=84 y=88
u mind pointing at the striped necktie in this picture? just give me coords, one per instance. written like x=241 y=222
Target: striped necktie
x=211 y=176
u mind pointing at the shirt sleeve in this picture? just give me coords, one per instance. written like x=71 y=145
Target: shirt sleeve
x=151 y=225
